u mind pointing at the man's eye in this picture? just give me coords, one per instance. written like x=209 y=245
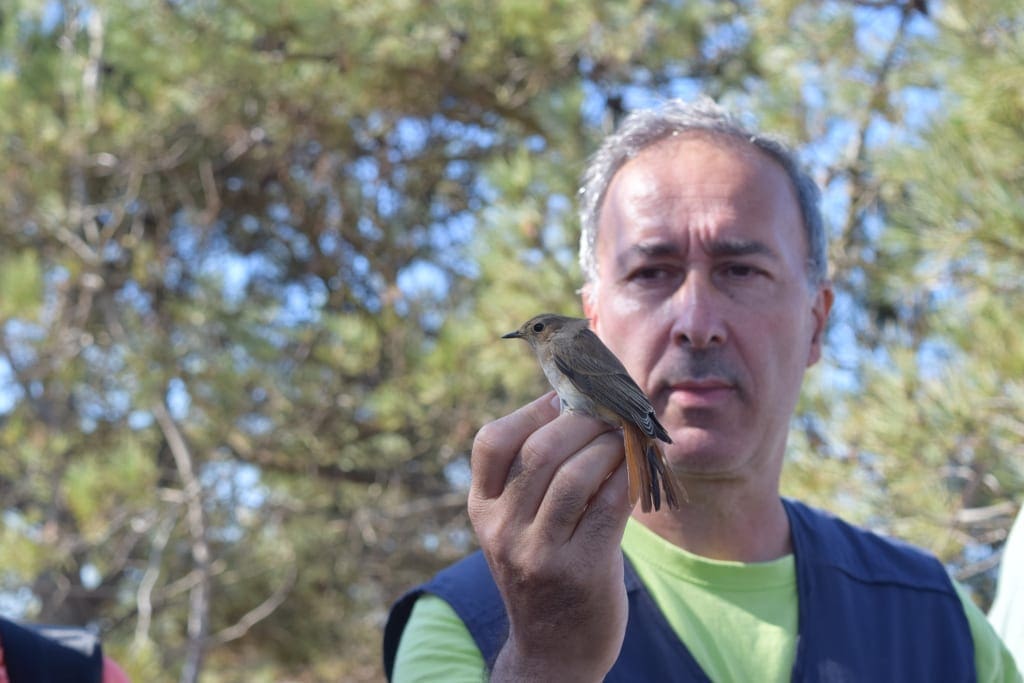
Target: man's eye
x=650 y=273
x=740 y=271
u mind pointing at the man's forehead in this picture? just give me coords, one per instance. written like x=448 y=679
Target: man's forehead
x=729 y=196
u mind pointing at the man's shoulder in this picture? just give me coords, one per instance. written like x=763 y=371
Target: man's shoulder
x=828 y=540
x=463 y=577
x=469 y=589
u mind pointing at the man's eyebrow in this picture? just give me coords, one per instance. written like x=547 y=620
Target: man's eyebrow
x=642 y=251
x=649 y=249
x=739 y=247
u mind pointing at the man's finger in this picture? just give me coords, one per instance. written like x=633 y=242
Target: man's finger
x=497 y=444
x=575 y=485
x=604 y=523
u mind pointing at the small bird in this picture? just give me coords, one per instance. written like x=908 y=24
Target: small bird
x=590 y=380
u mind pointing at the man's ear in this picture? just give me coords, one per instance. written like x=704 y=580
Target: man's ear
x=820 y=310
x=588 y=294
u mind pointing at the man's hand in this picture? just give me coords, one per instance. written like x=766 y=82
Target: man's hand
x=549 y=505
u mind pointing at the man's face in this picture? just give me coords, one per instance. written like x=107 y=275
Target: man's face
x=702 y=293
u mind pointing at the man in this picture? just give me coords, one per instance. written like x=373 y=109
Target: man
x=39 y=654
x=704 y=255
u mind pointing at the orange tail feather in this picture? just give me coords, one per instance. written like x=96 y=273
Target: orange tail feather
x=649 y=473
x=636 y=466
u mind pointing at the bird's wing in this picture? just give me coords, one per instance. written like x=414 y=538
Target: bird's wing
x=599 y=374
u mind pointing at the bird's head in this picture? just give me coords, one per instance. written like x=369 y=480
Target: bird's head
x=540 y=328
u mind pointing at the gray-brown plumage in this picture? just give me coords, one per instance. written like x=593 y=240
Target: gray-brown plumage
x=589 y=379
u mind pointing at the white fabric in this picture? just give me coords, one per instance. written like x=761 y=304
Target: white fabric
x=1007 y=613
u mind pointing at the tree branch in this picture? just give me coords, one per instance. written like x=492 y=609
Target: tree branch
x=199 y=595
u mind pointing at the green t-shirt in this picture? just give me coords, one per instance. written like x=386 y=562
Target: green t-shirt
x=712 y=605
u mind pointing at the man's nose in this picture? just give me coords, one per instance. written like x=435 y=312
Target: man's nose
x=697 y=314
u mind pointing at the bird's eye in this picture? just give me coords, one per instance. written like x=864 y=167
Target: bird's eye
x=537 y=327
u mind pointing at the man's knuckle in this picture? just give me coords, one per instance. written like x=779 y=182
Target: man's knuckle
x=568 y=499
x=477 y=509
x=486 y=440
x=533 y=454
x=602 y=524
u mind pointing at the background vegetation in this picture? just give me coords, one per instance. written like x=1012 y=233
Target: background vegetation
x=256 y=256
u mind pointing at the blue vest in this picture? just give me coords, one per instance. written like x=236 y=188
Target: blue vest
x=50 y=654
x=870 y=609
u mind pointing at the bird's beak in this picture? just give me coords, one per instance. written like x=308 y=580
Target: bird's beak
x=512 y=335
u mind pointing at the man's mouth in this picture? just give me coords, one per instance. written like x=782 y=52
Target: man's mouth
x=705 y=392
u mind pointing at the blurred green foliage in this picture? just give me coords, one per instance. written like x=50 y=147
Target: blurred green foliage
x=257 y=256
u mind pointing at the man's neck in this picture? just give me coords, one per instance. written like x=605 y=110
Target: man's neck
x=720 y=521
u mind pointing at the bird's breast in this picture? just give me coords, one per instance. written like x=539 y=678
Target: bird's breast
x=574 y=400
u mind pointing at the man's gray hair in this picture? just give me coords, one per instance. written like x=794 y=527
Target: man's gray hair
x=643 y=128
